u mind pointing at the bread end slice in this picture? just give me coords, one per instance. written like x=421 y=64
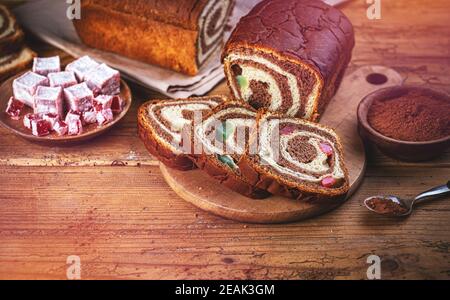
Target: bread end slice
x=12 y=41
x=12 y=64
x=156 y=144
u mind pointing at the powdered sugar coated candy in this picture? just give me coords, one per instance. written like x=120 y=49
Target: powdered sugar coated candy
x=28 y=118
x=79 y=97
x=49 y=100
x=46 y=65
x=89 y=116
x=51 y=118
x=117 y=104
x=328 y=182
x=73 y=121
x=103 y=102
x=103 y=80
x=62 y=79
x=14 y=108
x=82 y=66
x=60 y=127
x=24 y=87
x=104 y=116
x=40 y=127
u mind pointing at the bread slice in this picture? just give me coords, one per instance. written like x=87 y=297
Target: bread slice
x=11 y=64
x=223 y=136
x=164 y=127
x=11 y=36
x=295 y=158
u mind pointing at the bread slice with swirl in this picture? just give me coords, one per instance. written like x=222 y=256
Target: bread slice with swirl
x=223 y=137
x=13 y=63
x=11 y=36
x=295 y=158
x=164 y=127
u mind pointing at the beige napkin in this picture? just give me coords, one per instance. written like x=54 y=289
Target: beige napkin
x=47 y=19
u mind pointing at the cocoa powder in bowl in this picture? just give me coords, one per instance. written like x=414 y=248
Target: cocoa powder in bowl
x=412 y=116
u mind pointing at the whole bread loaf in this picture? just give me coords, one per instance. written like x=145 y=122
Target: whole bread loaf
x=289 y=56
x=180 y=35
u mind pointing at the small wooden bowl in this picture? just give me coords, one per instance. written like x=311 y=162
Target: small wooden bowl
x=401 y=150
x=89 y=131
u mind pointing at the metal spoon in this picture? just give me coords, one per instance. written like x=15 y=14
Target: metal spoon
x=396 y=207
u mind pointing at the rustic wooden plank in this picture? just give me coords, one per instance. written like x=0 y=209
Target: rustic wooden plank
x=139 y=228
x=124 y=222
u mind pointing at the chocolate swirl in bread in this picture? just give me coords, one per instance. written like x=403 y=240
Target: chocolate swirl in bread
x=289 y=56
x=163 y=123
x=294 y=157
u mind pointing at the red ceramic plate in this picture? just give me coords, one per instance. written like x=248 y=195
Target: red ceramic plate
x=89 y=131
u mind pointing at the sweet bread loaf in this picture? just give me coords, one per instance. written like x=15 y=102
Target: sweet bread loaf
x=11 y=36
x=223 y=136
x=295 y=158
x=289 y=56
x=13 y=56
x=179 y=35
x=13 y=63
x=162 y=125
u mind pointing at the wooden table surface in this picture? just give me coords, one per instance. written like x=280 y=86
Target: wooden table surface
x=106 y=201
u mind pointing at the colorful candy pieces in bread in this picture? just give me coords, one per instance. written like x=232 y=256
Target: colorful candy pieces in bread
x=223 y=136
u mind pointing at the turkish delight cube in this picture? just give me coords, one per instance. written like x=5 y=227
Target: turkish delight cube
x=60 y=127
x=73 y=121
x=102 y=102
x=89 y=116
x=49 y=100
x=51 y=118
x=117 y=104
x=104 y=116
x=79 y=97
x=46 y=65
x=38 y=126
x=14 y=108
x=28 y=118
x=103 y=80
x=81 y=67
x=62 y=79
x=24 y=87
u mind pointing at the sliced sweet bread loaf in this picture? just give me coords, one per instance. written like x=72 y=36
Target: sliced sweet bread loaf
x=11 y=36
x=295 y=158
x=11 y=64
x=165 y=124
x=222 y=138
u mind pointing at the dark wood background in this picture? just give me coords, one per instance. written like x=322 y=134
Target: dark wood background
x=107 y=202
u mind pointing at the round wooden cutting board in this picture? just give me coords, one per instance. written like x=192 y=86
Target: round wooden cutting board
x=206 y=193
